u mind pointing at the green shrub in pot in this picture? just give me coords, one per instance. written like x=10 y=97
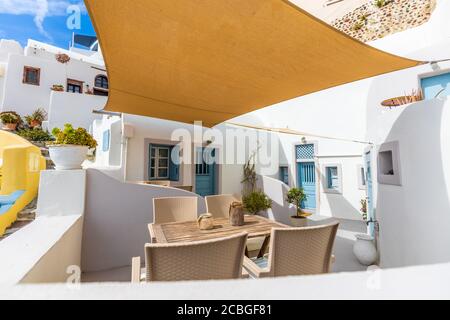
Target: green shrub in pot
x=256 y=201
x=70 y=147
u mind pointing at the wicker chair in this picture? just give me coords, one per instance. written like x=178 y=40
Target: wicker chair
x=219 y=207
x=176 y=209
x=296 y=251
x=203 y=260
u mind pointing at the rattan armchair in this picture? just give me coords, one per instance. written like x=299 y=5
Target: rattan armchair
x=296 y=251
x=174 y=209
x=203 y=260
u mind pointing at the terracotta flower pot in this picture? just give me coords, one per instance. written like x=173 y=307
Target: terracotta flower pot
x=10 y=126
x=299 y=222
x=35 y=123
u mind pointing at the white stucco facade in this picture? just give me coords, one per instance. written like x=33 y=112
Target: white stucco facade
x=344 y=123
x=412 y=214
x=25 y=98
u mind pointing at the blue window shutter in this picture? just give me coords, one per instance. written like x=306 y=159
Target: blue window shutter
x=174 y=169
x=106 y=138
x=330 y=178
x=150 y=177
x=284 y=175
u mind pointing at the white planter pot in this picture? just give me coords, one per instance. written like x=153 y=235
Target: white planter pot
x=299 y=222
x=68 y=157
x=364 y=250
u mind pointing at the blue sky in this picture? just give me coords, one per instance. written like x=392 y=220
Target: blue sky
x=44 y=20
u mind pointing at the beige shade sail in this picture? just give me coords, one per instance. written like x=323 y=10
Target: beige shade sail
x=213 y=60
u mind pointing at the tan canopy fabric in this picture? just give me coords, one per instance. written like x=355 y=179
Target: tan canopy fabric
x=213 y=60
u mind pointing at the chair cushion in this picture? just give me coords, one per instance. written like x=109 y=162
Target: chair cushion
x=5 y=208
x=12 y=198
x=262 y=263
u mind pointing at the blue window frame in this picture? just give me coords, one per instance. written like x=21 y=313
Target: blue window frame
x=164 y=162
x=284 y=175
x=436 y=86
x=106 y=140
x=332 y=178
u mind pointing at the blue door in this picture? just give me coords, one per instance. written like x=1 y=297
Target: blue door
x=306 y=172
x=205 y=172
x=370 y=211
x=437 y=86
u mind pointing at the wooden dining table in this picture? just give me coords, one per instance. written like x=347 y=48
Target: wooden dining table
x=254 y=226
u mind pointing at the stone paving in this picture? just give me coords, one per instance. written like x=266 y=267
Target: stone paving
x=370 y=22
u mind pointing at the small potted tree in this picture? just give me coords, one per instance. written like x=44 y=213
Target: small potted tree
x=36 y=118
x=255 y=202
x=70 y=147
x=10 y=120
x=296 y=196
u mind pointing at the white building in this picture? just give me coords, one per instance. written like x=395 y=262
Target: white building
x=343 y=129
x=27 y=76
x=343 y=147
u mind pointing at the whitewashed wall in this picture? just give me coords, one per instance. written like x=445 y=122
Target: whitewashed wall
x=24 y=98
x=116 y=219
x=74 y=108
x=427 y=42
x=415 y=217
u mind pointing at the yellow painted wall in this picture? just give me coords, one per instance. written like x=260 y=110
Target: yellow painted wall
x=20 y=166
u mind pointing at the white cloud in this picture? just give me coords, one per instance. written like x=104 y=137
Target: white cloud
x=40 y=9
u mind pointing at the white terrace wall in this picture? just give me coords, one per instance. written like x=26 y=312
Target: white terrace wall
x=415 y=217
x=43 y=251
x=74 y=108
x=116 y=220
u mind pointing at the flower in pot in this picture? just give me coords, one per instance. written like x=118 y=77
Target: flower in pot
x=255 y=202
x=364 y=208
x=296 y=196
x=36 y=118
x=70 y=147
x=10 y=120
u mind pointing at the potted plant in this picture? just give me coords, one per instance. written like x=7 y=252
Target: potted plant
x=10 y=120
x=36 y=135
x=57 y=87
x=296 y=196
x=70 y=147
x=36 y=118
x=255 y=202
x=364 y=208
